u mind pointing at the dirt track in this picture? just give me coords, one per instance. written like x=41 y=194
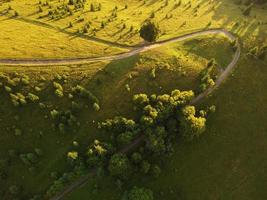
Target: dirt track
x=196 y=100
x=132 y=52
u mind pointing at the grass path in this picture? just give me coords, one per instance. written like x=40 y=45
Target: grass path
x=195 y=101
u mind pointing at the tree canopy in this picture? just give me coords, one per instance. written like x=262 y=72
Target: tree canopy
x=149 y=31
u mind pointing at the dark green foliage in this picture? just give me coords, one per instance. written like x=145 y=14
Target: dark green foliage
x=84 y=93
x=119 y=125
x=145 y=167
x=137 y=193
x=125 y=138
x=119 y=166
x=98 y=153
x=136 y=158
x=63 y=119
x=149 y=31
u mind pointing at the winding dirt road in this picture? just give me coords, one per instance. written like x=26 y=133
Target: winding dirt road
x=223 y=75
x=134 y=51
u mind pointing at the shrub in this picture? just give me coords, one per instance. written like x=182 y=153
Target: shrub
x=32 y=97
x=119 y=166
x=191 y=126
x=155 y=170
x=18 y=132
x=140 y=99
x=138 y=194
x=73 y=155
x=136 y=158
x=59 y=93
x=96 y=107
x=145 y=167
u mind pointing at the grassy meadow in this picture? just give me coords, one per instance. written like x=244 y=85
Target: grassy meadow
x=227 y=162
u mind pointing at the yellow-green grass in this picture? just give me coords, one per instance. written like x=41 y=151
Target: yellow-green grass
x=183 y=19
x=200 y=164
x=24 y=40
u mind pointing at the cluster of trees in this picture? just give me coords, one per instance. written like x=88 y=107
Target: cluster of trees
x=159 y=119
x=31 y=159
x=82 y=92
x=249 y=5
x=98 y=153
x=11 y=84
x=63 y=120
x=208 y=75
x=59 y=183
x=62 y=10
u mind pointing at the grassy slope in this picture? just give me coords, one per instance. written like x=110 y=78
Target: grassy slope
x=42 y=42
x=249 y=30
x=174 y=69
x=229 y=161
x=185 y=18
x=108 y=188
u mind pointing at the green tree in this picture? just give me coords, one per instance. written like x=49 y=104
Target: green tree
x=191 y=126
x=149 y=31
x=138 y=194
x=119 y=166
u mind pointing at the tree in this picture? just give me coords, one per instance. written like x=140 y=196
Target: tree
x=119 y=166
x=140 y=99
x=191 y=125
x=149 y=31
x=138 y=194
x=72 y=155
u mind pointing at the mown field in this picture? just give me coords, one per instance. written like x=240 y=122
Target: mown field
x=227 y=162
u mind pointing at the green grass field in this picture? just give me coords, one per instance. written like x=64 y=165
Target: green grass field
x=227 y=162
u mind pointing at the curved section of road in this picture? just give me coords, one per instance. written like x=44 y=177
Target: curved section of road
x=224 y=74
x=134 y=51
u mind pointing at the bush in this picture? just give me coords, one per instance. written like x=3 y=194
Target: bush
x=155 y=171
x=140 y=99
x=96 y=107
x=18 y=132
x=191 y=126
x=145 y=167
x=119 y=166
x=32 y=97
x=136 y=158
x=138 y=194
